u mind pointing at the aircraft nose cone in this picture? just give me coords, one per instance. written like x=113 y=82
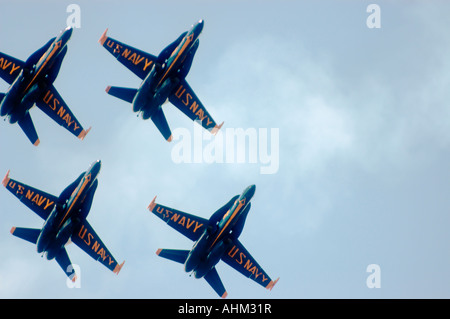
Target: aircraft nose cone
x=96 y=167
x=67 y=34
x=199 y=26
x=249 y=192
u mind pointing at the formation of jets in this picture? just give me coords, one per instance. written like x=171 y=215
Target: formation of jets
x=163 y=79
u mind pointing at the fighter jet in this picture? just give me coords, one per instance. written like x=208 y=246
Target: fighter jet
x=214 y=240
x=32 y=82
x=163 y=79
x=65 y=220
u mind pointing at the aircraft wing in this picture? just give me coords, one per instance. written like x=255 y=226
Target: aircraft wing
x=10 y=67
x=241 y=260
x=137 y=61
x=187 y=102
x=38 y=201
x=189 y=225
x=86 y=238
x=54 y=106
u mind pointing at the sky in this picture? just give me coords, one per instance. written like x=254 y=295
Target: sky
x=360 y=123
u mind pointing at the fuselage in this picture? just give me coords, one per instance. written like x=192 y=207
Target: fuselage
x=32 y=80
x=163 y=78
x=209 y=248
x=60 y=224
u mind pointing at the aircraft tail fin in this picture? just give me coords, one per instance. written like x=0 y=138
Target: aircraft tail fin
x=213 y=279
x=126 y=94
x=176 y=255
x=28 y=234
x=27 y=126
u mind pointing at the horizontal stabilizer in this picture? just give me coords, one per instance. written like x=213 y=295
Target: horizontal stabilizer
x=176 y=255
x=160 y=121
x=27 y=126
x=213 y=279
x=126 y=94
x=28 y=234
x=64 y=262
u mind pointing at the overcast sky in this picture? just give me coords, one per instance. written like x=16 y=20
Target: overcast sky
x=363 y=120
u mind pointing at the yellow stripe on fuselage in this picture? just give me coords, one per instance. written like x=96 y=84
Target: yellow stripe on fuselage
x=50 y=55
x=238 y=208
x=80 y=191
x=180 y=51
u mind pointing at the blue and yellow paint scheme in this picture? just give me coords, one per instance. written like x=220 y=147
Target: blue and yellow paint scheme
x=65 y=220
x=31 y=83
x=214 y=239
x=163 y=79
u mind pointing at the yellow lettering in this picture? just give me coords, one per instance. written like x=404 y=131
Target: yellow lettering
x=188 y=225
x=200 y=114
x=110 y=43
x=182 y=220
x=132 y=58
x=48 y=203
x=48 y=96
x=241 y=256
x=68 y=119
x=193 y=107
x=126 y=53
x=174 y=216
x=197 y=226
x=4 y=64
x=61 y=111
x=20 y=189
x=139 y=60
x=234 y=250
x=14 y=68
x=247 y=265
x=179 y=92
x=12 y=184
x=147 y=63
x=188 y=97
x=95 y=246
x=29 y=194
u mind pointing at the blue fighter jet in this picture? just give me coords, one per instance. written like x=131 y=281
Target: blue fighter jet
x=163 y=79
x=32 y=82
x=65 y=220
x=214 y=240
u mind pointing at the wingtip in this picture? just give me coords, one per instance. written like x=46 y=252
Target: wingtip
x=158 y=251
x=108 y=88
x=5 y=180
x=225 y=294
x=83 y=133
x=118 y=268
x=170 y=138
x=103 y=37
x=272 y=284
x=216 y=129
x=12 y=230
x=152 y=205
x=37 y=142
